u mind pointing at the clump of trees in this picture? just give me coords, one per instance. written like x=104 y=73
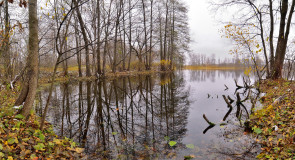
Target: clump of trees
x=261 y=27
x=98 y=35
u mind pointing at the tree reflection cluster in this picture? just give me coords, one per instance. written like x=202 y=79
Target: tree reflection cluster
x=127 y=117
x=132 y=117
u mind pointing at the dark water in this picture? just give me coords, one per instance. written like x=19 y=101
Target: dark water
x=136 y=117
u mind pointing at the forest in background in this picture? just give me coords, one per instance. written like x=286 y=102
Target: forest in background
x=124 y=35
x=96 y=36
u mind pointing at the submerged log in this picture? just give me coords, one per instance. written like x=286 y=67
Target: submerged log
x=206 y=119
x=227 y=102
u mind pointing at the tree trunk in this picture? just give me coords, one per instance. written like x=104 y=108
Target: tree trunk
x=145 y=36
x=151 y=35
x=119 y=11
x=30 y=84
x=78 y=50
x=271 y=36
x=6 y=55
x=130 y=33
x=282 y=39
x=124 y=41
x=98 y=39
x=107 y=25
x=172 y=38
x=165 y=35
x=161 y=42
x=88 y=72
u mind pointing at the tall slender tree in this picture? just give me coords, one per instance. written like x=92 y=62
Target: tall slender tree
x=29 y=86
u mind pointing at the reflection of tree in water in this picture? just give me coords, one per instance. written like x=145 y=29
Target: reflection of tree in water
x=129 y=116
x=205 y=75
x=235 y=141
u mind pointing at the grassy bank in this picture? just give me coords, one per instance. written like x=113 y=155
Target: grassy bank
x=22 y=139
x=275 y=122
x=213 y=67
x=46 y=73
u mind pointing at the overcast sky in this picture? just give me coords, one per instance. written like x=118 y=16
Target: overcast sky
x=204 y=30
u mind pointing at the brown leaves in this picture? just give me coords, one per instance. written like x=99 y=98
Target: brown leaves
x=22 y=139
x=23 y=3
x=276 y=122
x=20 y=26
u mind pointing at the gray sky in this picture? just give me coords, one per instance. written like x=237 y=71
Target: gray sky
x=205 y=30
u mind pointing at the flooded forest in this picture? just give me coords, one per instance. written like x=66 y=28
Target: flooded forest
x=130 y=79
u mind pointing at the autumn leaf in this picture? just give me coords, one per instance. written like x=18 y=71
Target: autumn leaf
x=114 y=133
x=11 y=140
x=172 y=143
x=40 y=146
x=190 y=146
x=25 y=3
x=257 y=130
x=2 y=154
x=56 y=141
x=19 y=116
x=79 y=150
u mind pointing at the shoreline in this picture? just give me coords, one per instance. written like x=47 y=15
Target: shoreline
x=45 y=80
x=22 y=138
x=274 y=123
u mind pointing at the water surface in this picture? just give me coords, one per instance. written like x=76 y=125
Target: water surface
x=135 y=117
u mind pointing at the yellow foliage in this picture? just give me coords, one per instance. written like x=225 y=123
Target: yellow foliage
x=242 y=38
x=165 y=81
x=165 y=62
x=248 y=71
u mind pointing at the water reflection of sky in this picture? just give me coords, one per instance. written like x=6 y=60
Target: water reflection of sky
x=138 y=112
x=206 y=90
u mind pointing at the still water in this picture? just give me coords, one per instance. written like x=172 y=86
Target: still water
x=159 y=116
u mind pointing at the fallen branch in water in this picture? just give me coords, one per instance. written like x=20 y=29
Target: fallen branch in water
x=230 y=99
x=228 y=105
x=210 y=123
x=209 y=127
x=226 y=88
x=227 y=102
x=246 y=85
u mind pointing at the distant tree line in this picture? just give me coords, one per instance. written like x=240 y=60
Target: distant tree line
x=204 y=59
